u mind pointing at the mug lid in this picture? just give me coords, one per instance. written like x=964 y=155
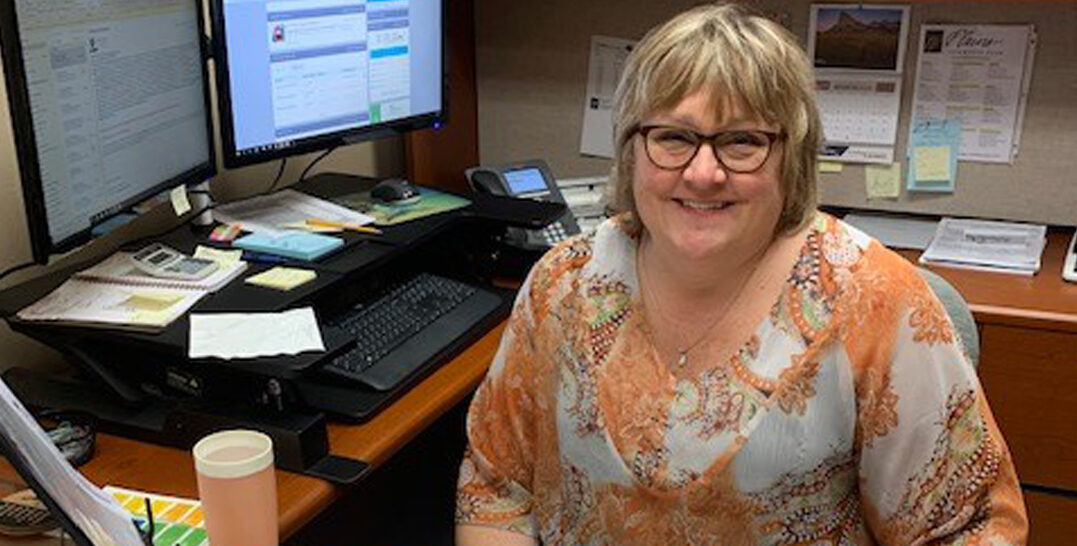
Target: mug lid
x=258 y=445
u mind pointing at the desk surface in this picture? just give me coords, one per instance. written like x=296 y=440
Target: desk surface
x=1041 y=301
x=164 y=470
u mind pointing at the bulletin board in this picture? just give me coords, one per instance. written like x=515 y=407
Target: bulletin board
x=532 y=57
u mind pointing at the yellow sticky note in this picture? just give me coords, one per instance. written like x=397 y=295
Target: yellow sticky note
x=830 y=167
x=883 y=181
x=180 y=204
x=932 y=163
x=152 y=301
x=224 y=258
x=282 y=278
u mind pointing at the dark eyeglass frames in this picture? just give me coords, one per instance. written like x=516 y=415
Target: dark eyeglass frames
x=740 y=151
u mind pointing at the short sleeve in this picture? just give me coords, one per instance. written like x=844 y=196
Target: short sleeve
x=495 y=483
x=933 y=465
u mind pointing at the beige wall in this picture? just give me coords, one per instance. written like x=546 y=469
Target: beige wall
x=531 y=60
x=382 y=158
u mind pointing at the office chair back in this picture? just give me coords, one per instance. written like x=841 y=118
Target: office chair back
x=959 y=312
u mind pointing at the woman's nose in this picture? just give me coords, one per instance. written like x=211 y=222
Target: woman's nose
x=705 y=168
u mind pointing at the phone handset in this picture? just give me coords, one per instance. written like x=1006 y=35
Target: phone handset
x=526 y=180
x=1069 y=263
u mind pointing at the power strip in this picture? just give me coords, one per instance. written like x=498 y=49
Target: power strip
x=1069 y=266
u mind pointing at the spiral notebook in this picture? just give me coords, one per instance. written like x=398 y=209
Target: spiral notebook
x=84 y=302
x=118 y=269
x=114 y=294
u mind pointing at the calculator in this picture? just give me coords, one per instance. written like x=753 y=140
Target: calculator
x=22 y=514
x=158 y=260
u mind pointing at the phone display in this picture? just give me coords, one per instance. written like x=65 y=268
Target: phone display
x=526 y=180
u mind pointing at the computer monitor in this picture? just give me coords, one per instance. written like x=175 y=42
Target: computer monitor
x=299 y=76
x=109 y=105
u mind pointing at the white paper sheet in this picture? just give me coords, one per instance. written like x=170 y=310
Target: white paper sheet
x=895 y=231
x=250 y=335
x=97 y=514
x=978 y=74
x=268 y=213
x=607 y=59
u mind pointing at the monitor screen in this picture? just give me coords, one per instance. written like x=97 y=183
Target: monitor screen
x=297 y=76
x=109 y=105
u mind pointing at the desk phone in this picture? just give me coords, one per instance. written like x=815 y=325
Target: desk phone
x=526 y=180
x=1069 y=264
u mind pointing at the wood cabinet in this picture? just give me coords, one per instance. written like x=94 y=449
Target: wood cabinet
x=1028 y=368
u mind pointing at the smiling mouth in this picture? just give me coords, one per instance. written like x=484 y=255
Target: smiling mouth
x=703 y=205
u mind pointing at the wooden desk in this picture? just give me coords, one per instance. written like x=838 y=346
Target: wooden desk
x=170 y=471
x=1028 y=367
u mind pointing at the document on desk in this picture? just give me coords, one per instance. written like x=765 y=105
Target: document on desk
x=895 y=231
x=1004 y=247
x=268 y=214
x=252 y=335
x=95 y=513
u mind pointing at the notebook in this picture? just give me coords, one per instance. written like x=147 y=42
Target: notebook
x=118 y=269
x=87 y=302
x=298 y=245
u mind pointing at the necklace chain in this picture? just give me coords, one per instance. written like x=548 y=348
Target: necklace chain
x=684 y=350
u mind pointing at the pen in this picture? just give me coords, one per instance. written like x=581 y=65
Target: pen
x=262 y=258
x=345 y=225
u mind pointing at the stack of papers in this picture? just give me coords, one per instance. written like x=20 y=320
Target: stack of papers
x=986 y=245
x=39 y=462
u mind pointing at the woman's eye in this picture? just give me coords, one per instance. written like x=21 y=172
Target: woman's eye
x=674 y=137
x=745 y=138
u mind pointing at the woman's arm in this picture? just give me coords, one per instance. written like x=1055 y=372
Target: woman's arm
x=933 y=465
x=480 y=535
x=494 y=487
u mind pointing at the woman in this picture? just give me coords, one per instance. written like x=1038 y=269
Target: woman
x=720 y=363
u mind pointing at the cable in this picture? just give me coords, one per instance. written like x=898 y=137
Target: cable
x=192 y=216
x=19 y=267
x=303 y=176
x=280 y=173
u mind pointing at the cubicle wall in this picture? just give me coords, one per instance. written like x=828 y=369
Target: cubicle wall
x=532 y=57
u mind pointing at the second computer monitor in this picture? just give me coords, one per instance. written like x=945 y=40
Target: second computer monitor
x=298 y=76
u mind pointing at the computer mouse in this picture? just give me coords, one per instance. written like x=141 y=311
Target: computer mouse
x=395 y=191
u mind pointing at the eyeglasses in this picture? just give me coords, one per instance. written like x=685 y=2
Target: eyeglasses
x=673 y=148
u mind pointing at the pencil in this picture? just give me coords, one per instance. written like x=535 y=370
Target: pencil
x=345 y=225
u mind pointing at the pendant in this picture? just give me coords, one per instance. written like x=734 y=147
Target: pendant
x=682 y=360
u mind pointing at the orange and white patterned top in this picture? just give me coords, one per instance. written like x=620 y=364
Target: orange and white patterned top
x=851 y=416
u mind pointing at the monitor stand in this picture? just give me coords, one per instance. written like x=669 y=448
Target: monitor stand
x=300 y=440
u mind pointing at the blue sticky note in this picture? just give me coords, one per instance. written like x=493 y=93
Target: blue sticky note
x=298 y=245
x=932 y=155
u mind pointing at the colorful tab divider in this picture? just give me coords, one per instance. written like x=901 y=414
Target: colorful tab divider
x=176 y=521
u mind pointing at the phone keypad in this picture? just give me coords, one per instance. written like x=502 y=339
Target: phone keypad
x=554 y=233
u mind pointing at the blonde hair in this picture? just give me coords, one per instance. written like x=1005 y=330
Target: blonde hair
x=734 y=56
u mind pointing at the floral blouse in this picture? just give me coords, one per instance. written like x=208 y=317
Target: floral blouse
x=850 y=416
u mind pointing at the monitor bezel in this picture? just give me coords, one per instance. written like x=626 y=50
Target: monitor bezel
x=41 y=243
x=332 y=140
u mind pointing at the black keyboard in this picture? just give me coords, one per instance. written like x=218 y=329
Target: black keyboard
x=405 y=329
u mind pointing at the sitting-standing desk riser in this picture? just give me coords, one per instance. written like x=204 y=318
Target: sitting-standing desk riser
x=155 y=393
